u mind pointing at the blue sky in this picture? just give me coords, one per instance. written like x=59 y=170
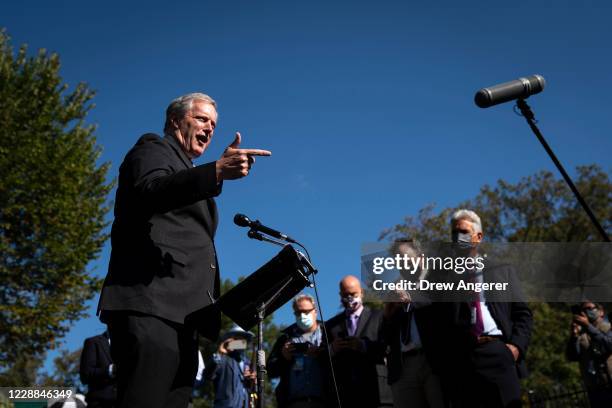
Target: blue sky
x=367 y=107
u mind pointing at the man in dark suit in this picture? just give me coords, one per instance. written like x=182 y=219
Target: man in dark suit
x=98 y=372
x=358 y=350
x=484 y=341
x=163 y=271
x=408 y=332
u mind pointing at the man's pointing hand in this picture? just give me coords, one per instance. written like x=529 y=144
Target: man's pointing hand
x=236 y=162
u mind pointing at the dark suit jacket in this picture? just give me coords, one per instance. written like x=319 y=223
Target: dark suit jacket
x=361 y=377
x=95 y=360
x=514 y=319
x=163 y=260
x=425 y=320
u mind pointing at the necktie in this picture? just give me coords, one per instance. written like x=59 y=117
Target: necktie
x=477 y=323
x=352 y=324
x=406 y=326
x=477 y=327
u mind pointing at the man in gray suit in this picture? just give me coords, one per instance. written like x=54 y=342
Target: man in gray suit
x=163 y=271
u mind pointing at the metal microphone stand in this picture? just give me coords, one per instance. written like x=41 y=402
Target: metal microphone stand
x=530 y=118
x=261 y=313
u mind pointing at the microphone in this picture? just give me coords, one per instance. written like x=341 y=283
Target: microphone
x=243 y=221
x=518 y=89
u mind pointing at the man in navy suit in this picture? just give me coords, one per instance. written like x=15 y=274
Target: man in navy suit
x=163 y=271
x=484 y=341
x=98 y=372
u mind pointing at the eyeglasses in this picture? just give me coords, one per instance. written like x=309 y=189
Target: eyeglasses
x=299 y=312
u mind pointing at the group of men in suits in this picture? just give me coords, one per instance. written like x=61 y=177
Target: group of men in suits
x=458 y=354
x=164 y=275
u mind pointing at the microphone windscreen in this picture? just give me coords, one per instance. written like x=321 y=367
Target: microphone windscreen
x=242 y=220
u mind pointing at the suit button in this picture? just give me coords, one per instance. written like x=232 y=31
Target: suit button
x=213 y=266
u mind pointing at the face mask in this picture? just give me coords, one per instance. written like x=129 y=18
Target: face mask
x=304 y=321
x=463 y=241
x=351 y=303
x=236 y=354
x=592 y=315
x=462 y=238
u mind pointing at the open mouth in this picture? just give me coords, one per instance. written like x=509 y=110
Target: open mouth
x=202 y=139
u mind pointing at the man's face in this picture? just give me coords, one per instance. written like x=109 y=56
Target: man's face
x=465 y=226
x=587 y=307
x=306 y=307
x=194 y=131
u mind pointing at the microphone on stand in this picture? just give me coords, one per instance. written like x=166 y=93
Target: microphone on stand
x=518 y=89
x=243 y=221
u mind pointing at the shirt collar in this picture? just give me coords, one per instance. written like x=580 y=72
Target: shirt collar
x=356 y=313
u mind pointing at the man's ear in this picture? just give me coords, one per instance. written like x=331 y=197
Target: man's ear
x=174 y=122
x=480 y=236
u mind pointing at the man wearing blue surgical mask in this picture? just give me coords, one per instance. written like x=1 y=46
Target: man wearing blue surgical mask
x=590 y=344
x=297 y=360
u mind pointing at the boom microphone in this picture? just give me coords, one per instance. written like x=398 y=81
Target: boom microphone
x=518 y=89
x=243 y=221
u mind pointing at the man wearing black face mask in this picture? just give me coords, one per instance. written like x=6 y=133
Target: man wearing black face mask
x=590 y=344
x=358 y=350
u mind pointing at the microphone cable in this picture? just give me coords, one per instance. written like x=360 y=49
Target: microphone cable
x=324 y=329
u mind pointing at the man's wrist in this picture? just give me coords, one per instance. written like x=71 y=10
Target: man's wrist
x=219 y=172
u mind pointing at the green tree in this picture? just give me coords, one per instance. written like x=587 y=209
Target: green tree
x=22 y=373
x=52 y=203
x=538 y=208
x=206 y=394
x=66 y=371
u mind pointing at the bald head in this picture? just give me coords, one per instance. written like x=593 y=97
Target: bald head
x=350 y=285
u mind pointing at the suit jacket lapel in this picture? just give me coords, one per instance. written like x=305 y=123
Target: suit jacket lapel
x=106 y=347
x=209 y=208
x=171 y=140
x=365 y=315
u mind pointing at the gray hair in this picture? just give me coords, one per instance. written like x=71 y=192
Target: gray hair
x=303 y=296
x=465 y=214
x=181 y=105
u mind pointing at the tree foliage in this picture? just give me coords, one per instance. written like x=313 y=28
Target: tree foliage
x=52 y=203
x=538 y=208
x=66 y=371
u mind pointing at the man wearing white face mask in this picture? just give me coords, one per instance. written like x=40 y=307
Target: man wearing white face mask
x=358 y=350
x=297 y=359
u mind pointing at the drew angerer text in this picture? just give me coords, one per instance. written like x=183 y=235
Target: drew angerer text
x=438 y=286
